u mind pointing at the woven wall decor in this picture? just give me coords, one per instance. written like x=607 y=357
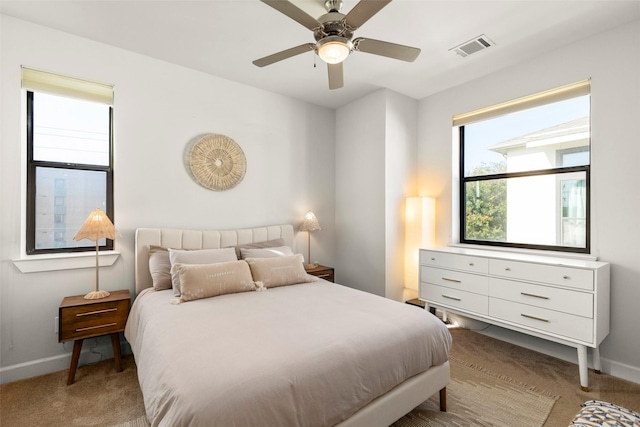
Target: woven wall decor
x=217 y=162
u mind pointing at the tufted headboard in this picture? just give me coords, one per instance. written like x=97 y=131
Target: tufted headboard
x=198 y=239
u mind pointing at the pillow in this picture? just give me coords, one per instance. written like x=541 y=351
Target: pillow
x=279 y=271
x=209 y=280
x=266 y=252
x=199 y=256
x=259 y=245
x=159 y=267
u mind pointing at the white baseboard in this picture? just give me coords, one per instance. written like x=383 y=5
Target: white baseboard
x=550 y=348
x=47 y=365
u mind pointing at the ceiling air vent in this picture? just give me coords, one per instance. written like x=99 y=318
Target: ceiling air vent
x=472 y=46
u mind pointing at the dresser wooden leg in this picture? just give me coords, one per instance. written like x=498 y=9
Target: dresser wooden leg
x=77 y=346
x=115 y=342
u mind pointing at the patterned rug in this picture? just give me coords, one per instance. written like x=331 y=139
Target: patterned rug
x=475 y=397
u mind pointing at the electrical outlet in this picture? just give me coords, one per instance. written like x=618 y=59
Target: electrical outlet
x=55 y=325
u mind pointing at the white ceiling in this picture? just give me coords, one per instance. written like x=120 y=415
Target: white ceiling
x=222 y=37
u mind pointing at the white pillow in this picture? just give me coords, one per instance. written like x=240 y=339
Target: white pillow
x=266 y=252
x=199 y=256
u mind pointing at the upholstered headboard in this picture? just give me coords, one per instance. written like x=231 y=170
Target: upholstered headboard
x=198 y=239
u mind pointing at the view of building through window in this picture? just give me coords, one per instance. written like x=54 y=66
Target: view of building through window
x=71 y=155
x=525 y=176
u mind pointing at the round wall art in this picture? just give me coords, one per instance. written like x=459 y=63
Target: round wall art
x=217 y=162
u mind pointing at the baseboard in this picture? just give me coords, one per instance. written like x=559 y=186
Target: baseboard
x=550 y=348
x=47 y=365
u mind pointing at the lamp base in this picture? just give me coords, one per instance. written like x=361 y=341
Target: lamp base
x=97 y=295
x=310 y=266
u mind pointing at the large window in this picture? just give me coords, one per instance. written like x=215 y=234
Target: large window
x=69 y=159
x=524 y=172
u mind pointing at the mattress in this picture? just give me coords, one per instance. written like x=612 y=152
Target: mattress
x=303 y=355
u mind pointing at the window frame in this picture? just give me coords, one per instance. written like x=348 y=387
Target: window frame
x=463 y=180
x=31 y=186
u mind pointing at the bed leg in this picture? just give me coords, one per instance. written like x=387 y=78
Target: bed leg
x=443 y=400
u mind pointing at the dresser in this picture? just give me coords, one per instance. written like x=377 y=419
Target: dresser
x=563 y=300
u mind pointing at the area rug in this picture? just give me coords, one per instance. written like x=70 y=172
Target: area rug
x=475 y=397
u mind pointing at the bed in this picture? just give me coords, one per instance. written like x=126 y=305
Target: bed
x=313 y=353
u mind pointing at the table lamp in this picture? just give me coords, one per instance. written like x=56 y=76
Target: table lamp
x=97 y=226
x=310 y=224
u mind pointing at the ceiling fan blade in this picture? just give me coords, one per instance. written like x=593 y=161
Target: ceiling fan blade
x=336 y=80
x=293 y=12
x=288 y=53
x=363 y=11
x=390 y=50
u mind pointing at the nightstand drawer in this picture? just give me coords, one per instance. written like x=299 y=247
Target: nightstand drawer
x=85 y=321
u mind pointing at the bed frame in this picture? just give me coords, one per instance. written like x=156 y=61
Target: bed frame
x=382 y=411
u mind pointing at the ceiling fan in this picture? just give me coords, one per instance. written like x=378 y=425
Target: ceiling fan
x=333 y=32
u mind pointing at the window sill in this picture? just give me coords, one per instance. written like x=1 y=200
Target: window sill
x=69 y=261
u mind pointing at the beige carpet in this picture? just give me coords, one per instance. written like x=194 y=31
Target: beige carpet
x=102 y=397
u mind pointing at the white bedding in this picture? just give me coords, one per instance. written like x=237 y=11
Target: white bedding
x=303 y=355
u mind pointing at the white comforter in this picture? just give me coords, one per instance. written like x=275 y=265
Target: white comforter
x=303 y=355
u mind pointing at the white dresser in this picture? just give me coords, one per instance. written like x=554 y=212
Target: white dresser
x=558 y=299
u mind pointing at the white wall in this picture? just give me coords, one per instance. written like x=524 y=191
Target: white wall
x=375 y=170
x=159 y=109
x=612 y=61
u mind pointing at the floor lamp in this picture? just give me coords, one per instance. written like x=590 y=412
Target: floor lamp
x=97 y=226
x=310 y=224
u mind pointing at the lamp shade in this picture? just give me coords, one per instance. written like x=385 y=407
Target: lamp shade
x=310 y=222
x=96 y=226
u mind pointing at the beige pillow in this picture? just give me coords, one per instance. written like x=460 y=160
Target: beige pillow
x=258 y=245
x=198 y=256
x=279 y=271
x=160 y=267
x=209 y=280
x=266 y=252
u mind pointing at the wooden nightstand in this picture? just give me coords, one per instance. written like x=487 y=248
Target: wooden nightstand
x=322 y=272
x=79 y=319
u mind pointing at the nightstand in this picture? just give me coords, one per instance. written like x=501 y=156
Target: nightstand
x=322 y=272
x=79 y=319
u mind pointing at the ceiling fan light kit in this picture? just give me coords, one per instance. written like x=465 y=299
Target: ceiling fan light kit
x=334 y=49
x=333 y=32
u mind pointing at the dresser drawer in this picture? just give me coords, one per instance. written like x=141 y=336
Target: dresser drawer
x=564 y=300
x=454 y=261
x=455 y=280
x=555 y=322
x=86 y=321
x=461 y=300
x=552 y=274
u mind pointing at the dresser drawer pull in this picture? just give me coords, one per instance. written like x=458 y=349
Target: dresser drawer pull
x=534 y=317
x=566 y=277
x=89 y=313
x=452 y=280
x=471 y=264
x=453 y=298
x=533 y=295
x=507 y=269
x=433 y=259
x=95 y=327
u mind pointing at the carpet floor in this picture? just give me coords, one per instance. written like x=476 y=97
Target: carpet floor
x=102 y=397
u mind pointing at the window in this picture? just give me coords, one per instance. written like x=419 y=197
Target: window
x=525 y=170
x=69 y=159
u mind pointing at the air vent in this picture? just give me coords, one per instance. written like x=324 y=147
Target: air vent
x=472 y=46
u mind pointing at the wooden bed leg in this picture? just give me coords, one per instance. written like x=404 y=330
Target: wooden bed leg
x=443 y=400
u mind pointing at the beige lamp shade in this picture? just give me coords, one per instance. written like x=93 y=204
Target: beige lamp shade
x=96 y=226
x=310 y=222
